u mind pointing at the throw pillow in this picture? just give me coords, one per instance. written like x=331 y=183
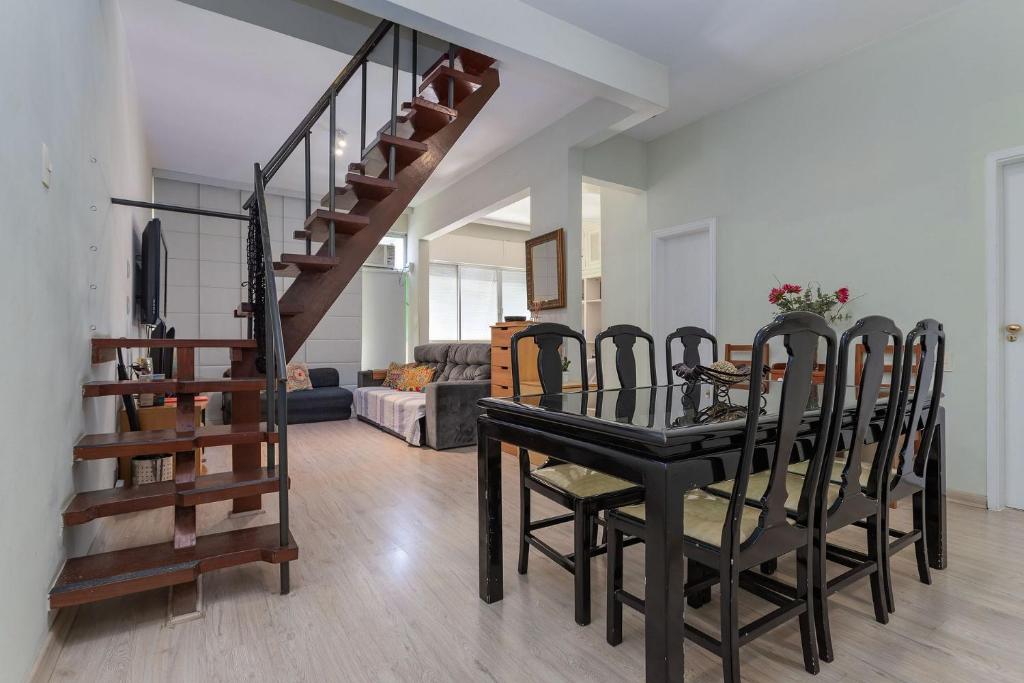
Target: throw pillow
x=415 y=378
x=298 y=377
x=393 y=374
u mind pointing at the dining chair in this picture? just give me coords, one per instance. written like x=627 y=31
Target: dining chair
x=858 y=364
x=909 y=459
x=854 y=480
x=624 y=337
x=730 y=537
x=742 y=355
x=690 y=337
x=582 y=490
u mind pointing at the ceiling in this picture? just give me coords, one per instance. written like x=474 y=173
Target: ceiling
x=218 y=94
x=721 y=52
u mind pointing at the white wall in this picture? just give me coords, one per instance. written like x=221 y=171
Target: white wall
x=867 y=173
x=384 y=316
x=207 y=266
x=67 y=82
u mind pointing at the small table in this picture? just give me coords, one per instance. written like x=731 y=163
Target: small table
x=645 y=435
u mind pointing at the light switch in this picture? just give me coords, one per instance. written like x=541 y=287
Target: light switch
x=47 y=167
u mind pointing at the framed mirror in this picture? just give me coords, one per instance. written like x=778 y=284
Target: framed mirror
x=545 y=271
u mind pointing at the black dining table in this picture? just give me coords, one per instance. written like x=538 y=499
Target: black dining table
x=670 y=439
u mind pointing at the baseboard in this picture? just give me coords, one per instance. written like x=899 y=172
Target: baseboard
x=974 y=500
x=54 y=643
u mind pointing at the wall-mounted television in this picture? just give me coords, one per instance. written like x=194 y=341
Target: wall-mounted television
x=151 y=275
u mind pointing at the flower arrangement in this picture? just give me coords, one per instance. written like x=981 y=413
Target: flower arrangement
x=829 y=305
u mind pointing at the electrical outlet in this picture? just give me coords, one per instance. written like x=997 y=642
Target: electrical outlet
x=47 y=167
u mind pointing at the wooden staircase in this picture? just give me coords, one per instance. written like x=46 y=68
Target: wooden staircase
x=179 y=561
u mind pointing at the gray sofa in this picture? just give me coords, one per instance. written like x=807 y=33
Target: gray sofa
x=444 y=415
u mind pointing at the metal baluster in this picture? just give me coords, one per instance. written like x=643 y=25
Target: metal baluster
x=330 y=171
x=451 y=79
x=392 y=152
x=415 y=63
x=282 y=486
x=270 y=363
x=309 y=197
x=362 y=119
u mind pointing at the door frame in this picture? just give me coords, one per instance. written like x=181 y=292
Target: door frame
x=708 y=225
x=995 y=310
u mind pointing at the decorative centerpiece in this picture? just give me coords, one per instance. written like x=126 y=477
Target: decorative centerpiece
x=721 y=376
x=788 y=298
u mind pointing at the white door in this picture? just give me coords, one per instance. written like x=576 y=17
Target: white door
x=1013 y=371
x=682 y=283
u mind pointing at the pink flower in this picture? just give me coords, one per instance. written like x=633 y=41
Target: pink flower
x=775 y=295
x=792 y=289
x=843 y=295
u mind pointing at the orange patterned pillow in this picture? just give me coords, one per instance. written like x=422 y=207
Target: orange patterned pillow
x=394 y=373
x=415 y=378
x=298 y=377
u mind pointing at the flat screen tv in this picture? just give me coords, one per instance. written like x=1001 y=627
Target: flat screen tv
x=152 y=274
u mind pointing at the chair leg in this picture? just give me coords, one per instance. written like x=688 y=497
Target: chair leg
x=805 y=590
x=593 y=531
x=876 y=539
x=524 y=526
x=921 y=545
x=768 y=568
x=730 y=583
x=614 y=606
x=581 y=565
x=819 y=587
x=695 y=571
x=884 y=561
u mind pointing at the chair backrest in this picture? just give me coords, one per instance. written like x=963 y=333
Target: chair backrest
x=741 y=355
x=926 y=374
x=858 y=364
x=690 y=337
x=549 y=338
x=801 y=332
x=624 y=337
x=878 y=339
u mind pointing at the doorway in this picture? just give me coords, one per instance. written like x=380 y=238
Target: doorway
x=683 y=280
x=1005 y=247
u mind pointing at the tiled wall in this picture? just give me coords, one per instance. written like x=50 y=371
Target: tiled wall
x=206 y=267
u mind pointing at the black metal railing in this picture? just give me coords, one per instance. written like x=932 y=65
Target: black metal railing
x=276 y=369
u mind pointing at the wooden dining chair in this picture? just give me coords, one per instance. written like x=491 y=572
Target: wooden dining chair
x=858 y=364
x=852 y=488
x=624 y=337
x=927 y=343
x=690 y=338
x=742 y=356
x=730 y=537
x=582 y=490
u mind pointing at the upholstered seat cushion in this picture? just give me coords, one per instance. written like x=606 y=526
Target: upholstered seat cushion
x=839 y=463
x=704 y=517
x=581 y=481
x=758 y=484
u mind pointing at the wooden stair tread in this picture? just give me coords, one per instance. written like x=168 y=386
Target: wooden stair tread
x=466 y=60
x=121 y=572
x=103 y=348
x=436 y=81
x=245 y=309
x=360 y=187
x=208 y=488
x=169 y=386
x=291 y=265
x=156 y=441
x=319 y=223
x=406 y=152
x=423 y=118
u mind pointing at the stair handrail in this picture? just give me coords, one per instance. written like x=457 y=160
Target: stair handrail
x=276 y=370
x=302 y=130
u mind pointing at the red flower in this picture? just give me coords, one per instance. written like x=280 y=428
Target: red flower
x=775 y=295
x=843 y=294
x=792 y=289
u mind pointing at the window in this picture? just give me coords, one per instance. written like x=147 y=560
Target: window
x=466 y=300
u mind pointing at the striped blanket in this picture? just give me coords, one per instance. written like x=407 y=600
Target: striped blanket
x=401 y=412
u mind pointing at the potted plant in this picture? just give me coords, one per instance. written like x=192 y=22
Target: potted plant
x=830 y=305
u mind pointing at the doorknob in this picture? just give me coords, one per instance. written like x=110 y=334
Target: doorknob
x=1012 y=330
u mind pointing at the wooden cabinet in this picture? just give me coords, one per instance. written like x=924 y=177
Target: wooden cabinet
x=501 y=358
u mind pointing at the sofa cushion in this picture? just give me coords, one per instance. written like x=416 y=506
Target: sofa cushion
x=324 y=377
x=298 y=378
x=400 y=412
x=415 y=378
x=466 y=362
x=434 y=355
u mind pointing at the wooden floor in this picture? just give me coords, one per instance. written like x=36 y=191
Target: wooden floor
x=385 y=589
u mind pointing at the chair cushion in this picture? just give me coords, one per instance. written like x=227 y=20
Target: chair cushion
x=704 y=517
x=840 y=462
x=758 y=484
x=581 y=481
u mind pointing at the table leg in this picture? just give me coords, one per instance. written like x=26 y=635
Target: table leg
x=489 y=500
x=935 y=495
x=666 y=577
